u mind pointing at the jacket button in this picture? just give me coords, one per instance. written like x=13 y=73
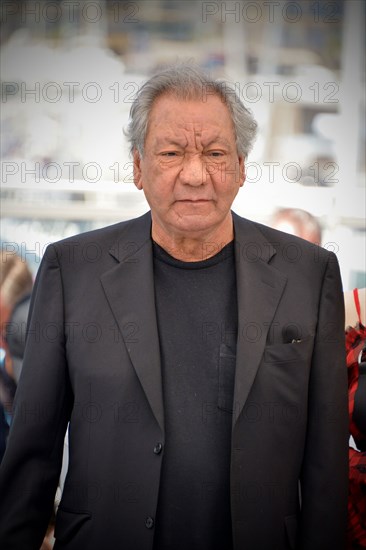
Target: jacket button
x=149 y=522
x=158 y=448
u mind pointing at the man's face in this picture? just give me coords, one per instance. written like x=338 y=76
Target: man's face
x=190 y=170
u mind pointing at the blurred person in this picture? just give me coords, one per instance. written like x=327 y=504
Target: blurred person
x=15 y=283
x=189 y=355
x=356 y=362
x=355 y=307
x=296 y=221
x=7 y=391
x=15 y=331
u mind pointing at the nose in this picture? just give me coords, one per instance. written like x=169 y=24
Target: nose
x=193 y=171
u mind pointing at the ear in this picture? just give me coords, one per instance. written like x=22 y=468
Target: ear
x=242 y=174
x=137 y=172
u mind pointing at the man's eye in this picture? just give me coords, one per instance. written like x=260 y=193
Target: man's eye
x=216 y=153
x=169 y=154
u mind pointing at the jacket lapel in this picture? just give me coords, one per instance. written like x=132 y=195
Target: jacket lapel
x=259 y=288
x=129 y=288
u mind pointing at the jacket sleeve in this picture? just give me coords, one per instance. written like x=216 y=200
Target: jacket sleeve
x=324 y=478
x=31 y=465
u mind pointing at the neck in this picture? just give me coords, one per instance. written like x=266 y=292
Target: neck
x=193 y=248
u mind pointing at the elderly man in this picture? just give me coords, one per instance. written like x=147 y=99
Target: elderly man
x=198 y=357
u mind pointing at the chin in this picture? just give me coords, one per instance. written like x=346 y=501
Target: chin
x=194 y=224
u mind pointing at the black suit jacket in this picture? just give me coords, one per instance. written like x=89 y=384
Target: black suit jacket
x=92 y=358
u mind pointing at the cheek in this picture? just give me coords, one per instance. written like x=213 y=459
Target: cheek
x=226 y=183
x=227 y=174
x=158 y=190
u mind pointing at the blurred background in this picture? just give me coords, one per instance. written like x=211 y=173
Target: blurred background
x=69 y=72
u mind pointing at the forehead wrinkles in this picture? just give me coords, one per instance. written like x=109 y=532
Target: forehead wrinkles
x=200 y=135
x=194 y=133
x=203 y=134
x=188 y=134
x=172 y=122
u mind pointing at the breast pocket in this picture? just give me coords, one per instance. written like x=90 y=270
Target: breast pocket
x=292 y=352
x=285 y=369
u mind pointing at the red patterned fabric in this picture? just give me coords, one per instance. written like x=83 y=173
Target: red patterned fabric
x=355 y=341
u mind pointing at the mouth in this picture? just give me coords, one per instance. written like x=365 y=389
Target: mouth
x=195 y=201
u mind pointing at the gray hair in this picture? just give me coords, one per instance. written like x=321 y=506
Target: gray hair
x=188 y=81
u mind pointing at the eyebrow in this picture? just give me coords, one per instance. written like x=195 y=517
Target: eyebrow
x=164 y=141
x=218 y=140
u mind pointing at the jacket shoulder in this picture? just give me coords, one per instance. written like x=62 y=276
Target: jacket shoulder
x=100 y=245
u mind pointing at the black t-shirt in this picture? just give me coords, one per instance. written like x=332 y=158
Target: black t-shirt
x=197 y=321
